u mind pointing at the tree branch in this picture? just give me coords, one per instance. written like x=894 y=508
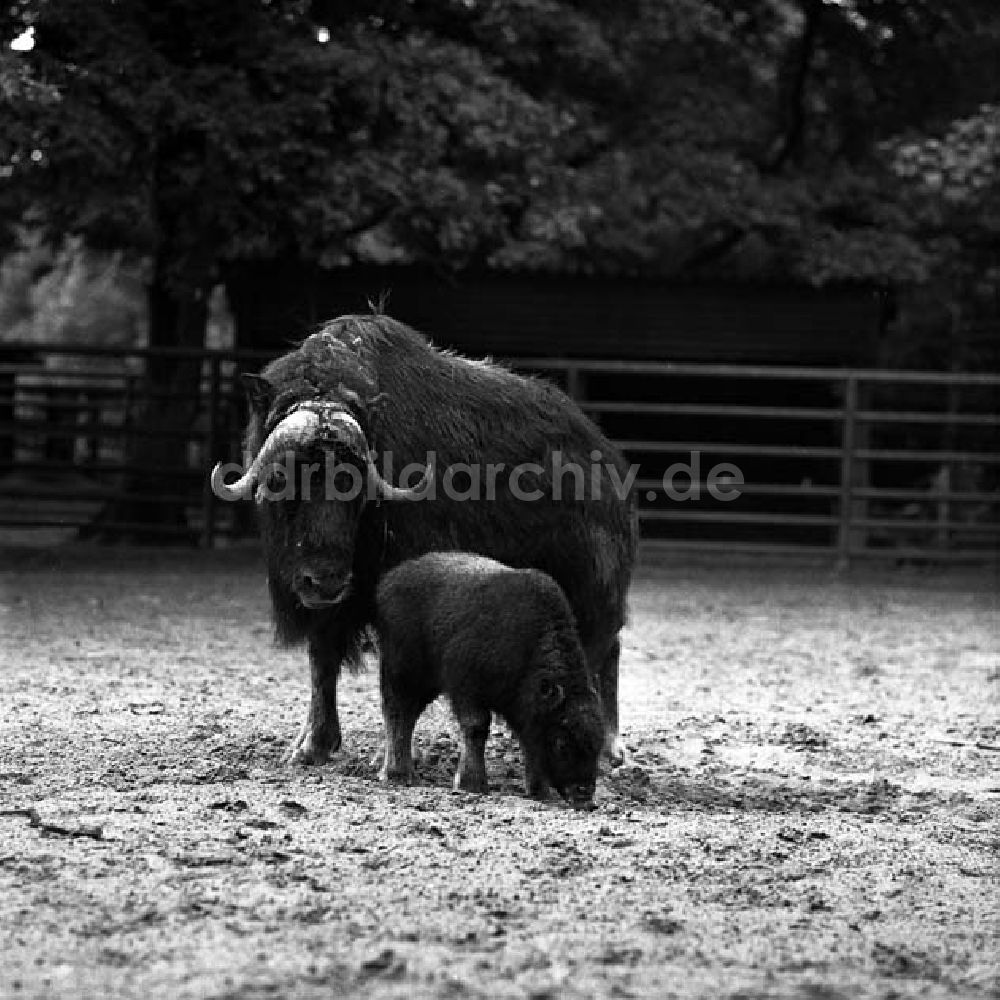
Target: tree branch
x=791 y=94
x=372 y=220
x=713 y=249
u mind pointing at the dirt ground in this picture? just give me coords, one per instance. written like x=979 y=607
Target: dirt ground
x=810 y=808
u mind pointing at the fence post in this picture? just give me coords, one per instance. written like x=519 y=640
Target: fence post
x=944 y=478
x=208 y=505
x=574 y=383
x=847 y=445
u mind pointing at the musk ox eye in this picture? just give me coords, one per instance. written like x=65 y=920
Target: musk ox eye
x=551 y=694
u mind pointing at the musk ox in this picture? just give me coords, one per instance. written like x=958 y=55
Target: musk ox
x=367 y=400
x=491 y=639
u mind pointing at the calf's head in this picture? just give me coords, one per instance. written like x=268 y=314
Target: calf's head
x=568 y=733
x=311 y=478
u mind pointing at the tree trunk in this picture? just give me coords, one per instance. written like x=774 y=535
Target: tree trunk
x=793 y=77
x=159 y=481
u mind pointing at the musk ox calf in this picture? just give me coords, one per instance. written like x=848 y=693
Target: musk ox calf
x=491 y=639
x=368 y=400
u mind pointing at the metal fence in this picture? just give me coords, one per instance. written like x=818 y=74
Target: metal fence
x=847 y=463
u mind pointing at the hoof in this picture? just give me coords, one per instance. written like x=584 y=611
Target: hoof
x=614 y=752
x=397 y=777
x=538 y=790
x=313 y=748
x=471 y=783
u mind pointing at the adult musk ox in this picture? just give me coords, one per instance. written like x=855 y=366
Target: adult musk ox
x=369 y=396
x=492 y=639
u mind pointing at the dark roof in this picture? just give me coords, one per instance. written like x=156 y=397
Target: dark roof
x=517 y=314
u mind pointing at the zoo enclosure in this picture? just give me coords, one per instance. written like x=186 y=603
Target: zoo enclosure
x=844 y=462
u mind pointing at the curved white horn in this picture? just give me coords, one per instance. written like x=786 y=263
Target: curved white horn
x=220 y=487
x=343 y=427
x=294 y=431
x=389 y=492
x=355 y=436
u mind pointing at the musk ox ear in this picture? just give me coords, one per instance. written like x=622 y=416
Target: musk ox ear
x=259 y=391
x=551 y=694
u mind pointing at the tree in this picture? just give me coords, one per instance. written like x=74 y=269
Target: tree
x=636 y=135
x=774 y=162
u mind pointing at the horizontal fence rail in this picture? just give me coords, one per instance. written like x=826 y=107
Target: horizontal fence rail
x=731 y=458
x=873 y=462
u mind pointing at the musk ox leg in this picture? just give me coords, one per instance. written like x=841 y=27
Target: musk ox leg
x=607 y=681
x=320 y=733
x=471 y=775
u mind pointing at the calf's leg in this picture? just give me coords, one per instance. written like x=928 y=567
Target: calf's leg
x=399 y=721
x=400 y=711
x=475 y=724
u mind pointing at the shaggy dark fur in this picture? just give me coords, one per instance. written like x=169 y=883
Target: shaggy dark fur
x=492 y=639
x=411 y=399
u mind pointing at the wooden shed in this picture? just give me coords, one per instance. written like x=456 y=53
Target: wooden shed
x=533 y=315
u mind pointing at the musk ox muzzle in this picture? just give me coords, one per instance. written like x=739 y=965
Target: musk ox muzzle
x=580 y=795
x=316 y=587
x=315 y=425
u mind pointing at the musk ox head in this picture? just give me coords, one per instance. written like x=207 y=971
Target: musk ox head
x=311 y=477
x=567 y=734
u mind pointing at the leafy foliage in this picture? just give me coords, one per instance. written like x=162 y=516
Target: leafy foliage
x=952 y=184
x=775 y=163
x=70 y=294
x=758 y=137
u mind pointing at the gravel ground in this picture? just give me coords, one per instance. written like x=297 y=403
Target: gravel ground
x=809 y=809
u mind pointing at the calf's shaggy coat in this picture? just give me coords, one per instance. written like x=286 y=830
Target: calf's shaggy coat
x=492 y=639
